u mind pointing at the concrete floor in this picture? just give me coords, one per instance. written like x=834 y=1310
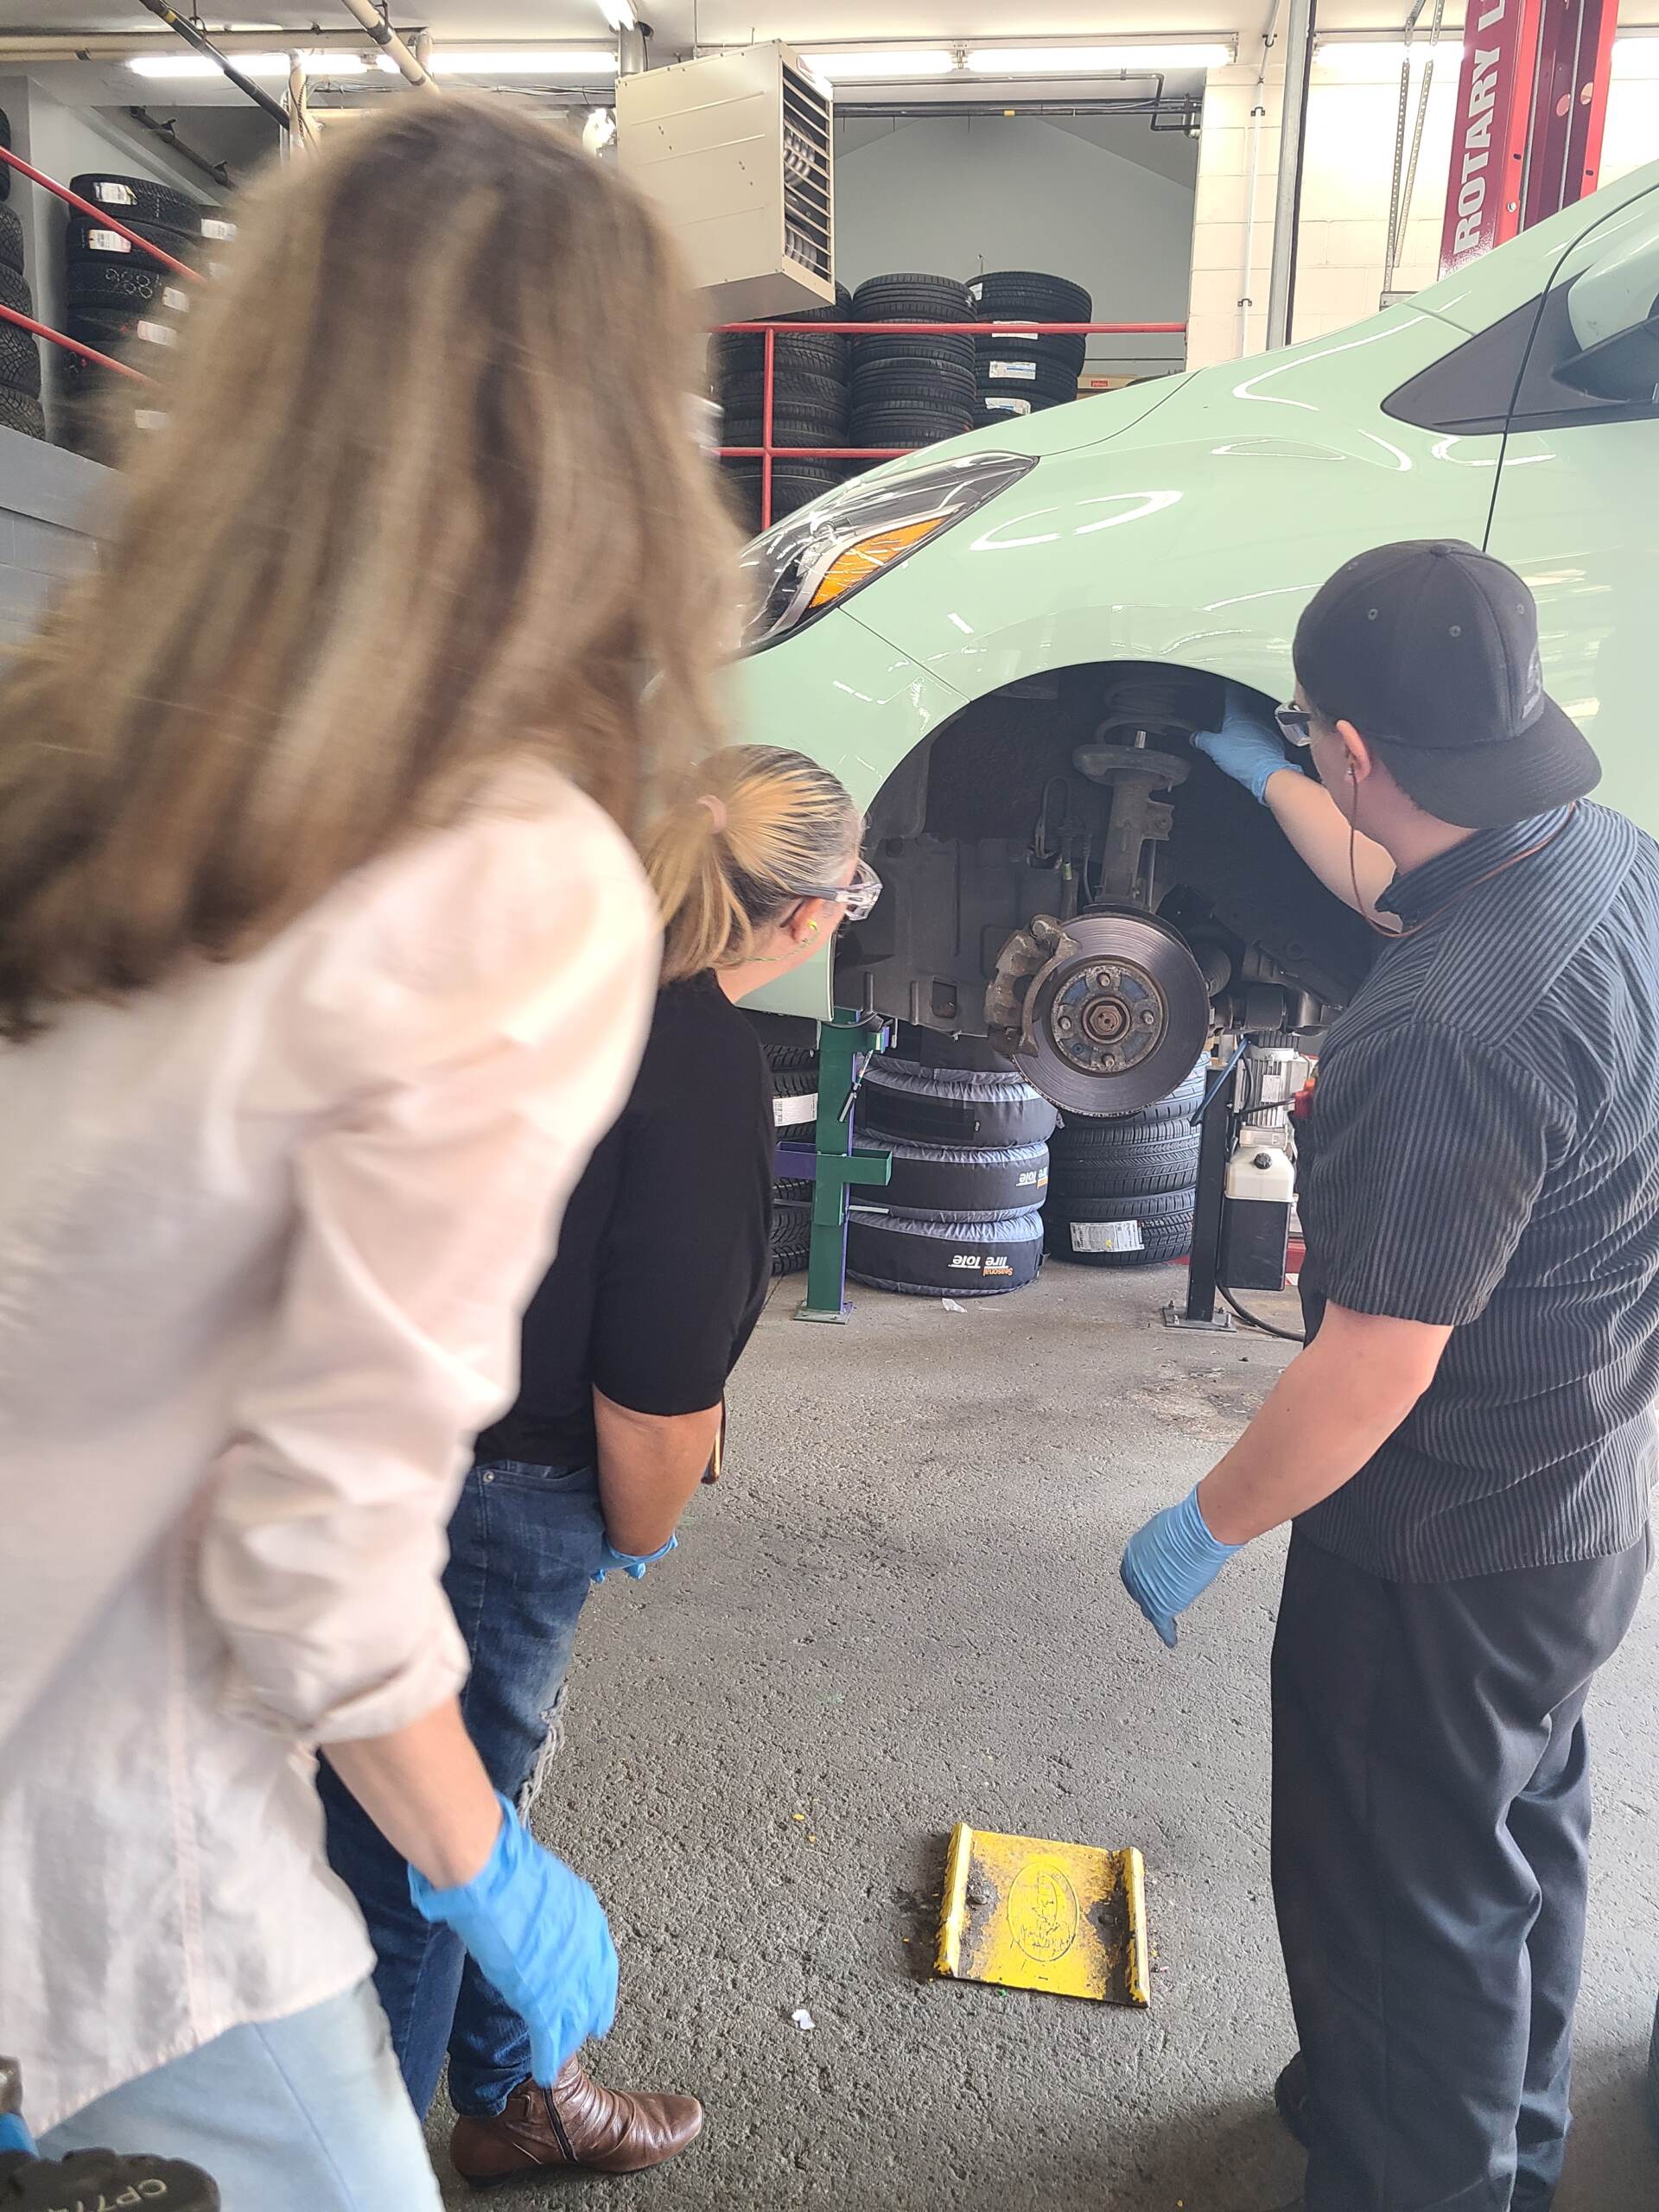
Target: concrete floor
x=900 y=1610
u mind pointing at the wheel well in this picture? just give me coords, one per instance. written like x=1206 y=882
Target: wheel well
x=992 y=821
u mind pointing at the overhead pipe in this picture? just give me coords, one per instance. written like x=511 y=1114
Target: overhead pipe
x=170 y=136
x=1293 y=138
x=43 y=47
x=202 y=44
x=1184 y=110
x=413 y=72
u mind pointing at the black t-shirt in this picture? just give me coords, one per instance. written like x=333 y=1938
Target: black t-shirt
x=666 y=1255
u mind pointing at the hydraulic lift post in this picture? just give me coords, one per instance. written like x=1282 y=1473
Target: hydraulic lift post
x=847 y=1043
x=1214 y=1119
x=1532 y=107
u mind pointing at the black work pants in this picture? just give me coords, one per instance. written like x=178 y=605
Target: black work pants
x=1430 y=1821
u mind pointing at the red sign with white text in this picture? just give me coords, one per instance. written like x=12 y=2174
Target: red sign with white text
x=1483 y=199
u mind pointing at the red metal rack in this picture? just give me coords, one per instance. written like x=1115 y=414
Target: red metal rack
x=106 y=221
x=767 y=452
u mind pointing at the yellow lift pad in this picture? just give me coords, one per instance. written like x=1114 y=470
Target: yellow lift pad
x=1029 y=1913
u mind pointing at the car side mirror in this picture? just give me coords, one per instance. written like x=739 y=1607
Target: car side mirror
x=1623 y=368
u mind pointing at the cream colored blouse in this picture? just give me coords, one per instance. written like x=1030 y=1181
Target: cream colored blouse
x=265 y=1236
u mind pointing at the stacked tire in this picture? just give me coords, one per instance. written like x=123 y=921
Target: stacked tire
x=1020 y=375
x=969 y=1136
x=793 y=1066
x=118 y=299
x=810 y=405
x=20 y=351
x=913 y=388
x=1121 y=1189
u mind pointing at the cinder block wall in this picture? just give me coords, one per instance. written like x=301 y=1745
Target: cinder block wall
x=49 y=507
x=1348 y=165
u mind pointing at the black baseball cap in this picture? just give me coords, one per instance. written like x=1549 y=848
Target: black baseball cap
x=1430 y=649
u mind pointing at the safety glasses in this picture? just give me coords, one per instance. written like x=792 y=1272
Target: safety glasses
x=858 y=897
x=1295 y=725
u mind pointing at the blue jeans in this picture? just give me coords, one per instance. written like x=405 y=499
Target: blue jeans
x=523 y=1547
x=305 y=2115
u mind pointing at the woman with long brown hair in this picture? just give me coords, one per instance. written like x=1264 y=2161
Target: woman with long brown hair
x=323 y=963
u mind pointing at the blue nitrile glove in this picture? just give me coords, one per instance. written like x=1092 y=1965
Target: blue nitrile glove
x=1247 y=745
x=632 y=1564
x=1171 y=1561
x=539 y=1933
x=14 y=2136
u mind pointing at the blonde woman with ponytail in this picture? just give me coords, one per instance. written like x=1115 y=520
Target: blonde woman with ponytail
x=662 y=1271
x=325 y=958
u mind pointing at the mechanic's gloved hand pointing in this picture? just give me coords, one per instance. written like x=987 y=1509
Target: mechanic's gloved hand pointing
x=632 y=1564
x=539 y=1933
x=1247 y=745
x=1171 y=1561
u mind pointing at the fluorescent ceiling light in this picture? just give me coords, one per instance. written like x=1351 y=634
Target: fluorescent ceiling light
x=180 y=66
x=1635 y=55
x=1096 y=60
x=882 y=64
x=523 y=61
x=1372 y=57
x=618 y=14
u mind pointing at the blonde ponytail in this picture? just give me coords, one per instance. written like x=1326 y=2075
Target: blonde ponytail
x=761 y=829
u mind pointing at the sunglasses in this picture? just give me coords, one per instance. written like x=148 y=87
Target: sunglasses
x=858 y=897
x=1295 y=724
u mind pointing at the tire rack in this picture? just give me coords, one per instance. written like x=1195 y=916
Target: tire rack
x=103 y=218
x=767 y=452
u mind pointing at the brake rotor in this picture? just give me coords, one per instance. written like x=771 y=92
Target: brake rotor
x=1117 y=1017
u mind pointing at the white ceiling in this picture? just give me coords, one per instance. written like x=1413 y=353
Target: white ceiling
x=678 y=23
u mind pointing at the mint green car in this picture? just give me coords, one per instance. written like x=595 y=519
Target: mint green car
x=1004 y=644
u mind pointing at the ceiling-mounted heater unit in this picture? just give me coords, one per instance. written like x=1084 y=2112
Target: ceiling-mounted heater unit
x=736 y=149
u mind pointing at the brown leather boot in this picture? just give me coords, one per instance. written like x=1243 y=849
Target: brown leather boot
x=575 y=2123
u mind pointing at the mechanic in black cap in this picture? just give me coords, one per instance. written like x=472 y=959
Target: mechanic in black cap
x=1464 y=1447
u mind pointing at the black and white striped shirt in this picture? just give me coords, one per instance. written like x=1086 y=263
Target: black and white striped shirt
x=1484 y=1154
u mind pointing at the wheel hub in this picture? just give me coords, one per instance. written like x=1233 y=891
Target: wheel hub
x=1117 y=1018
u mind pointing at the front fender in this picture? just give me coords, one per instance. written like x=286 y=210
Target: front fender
x=1198 y=536
x=858 y=708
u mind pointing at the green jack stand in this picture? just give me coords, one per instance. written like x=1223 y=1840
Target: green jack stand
x=847 y=1043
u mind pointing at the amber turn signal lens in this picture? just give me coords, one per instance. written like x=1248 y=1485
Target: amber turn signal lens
x=859 y=563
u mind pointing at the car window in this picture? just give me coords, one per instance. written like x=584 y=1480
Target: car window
x=1472 y=388
x=1584 y=351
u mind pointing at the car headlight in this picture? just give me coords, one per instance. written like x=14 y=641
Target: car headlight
x=818 y=557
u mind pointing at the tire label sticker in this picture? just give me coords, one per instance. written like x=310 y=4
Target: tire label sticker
x=211 y=228
x=1107 y=1236
x=997 y=404
x=787 y=1112
x=174 y=301
x=1015 y=372
x=115 y=195
x=108 y=242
